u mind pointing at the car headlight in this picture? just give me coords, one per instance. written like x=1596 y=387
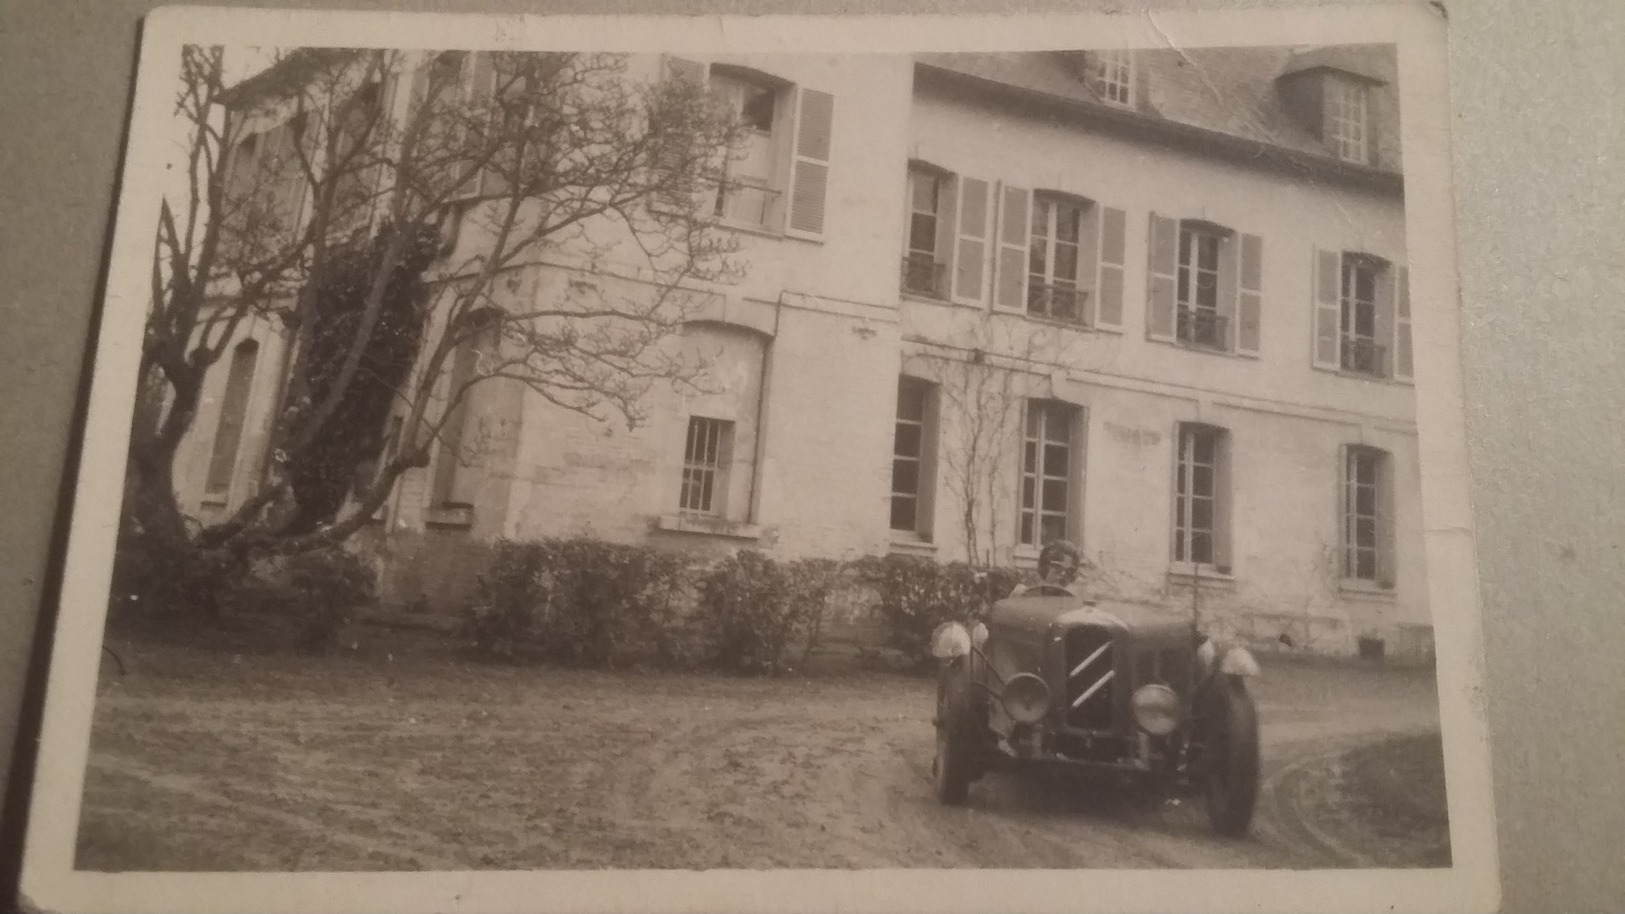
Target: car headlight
x=951 y=639
x=1238 y=661
x=1025 y=698
x=1156 y=709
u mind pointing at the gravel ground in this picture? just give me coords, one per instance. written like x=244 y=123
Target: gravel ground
x=401 y=757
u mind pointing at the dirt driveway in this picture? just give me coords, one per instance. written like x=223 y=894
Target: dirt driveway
x=203 y=761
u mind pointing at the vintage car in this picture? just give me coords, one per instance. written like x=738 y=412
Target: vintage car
x=1124 y=690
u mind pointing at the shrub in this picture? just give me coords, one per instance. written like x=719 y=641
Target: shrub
x=159 y=580
x=916 y=595
x=326 y=586
x=756 y=608
x=580 y=601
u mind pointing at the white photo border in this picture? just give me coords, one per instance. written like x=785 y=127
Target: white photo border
x=49 y=880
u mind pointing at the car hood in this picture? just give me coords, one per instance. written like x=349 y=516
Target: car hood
x=1036 y=613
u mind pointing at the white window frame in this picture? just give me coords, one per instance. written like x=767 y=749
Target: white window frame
x=1042 y=286
x=707 y=452
x=1115 y=77
x=917 y=258
x=1356 y=547
x=1187 y=493
x=1348 y=119
x=1350 y=305
x=772 y=188
x=1189 y=310
x=1035 y=442
x=920 y=459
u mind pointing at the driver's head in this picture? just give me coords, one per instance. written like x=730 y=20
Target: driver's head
x=1058 y=562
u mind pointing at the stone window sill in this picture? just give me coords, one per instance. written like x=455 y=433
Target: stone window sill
x=1184 y=574
x=707 y=526
x=1361 y=589
x=903 y=543
x=450 y=516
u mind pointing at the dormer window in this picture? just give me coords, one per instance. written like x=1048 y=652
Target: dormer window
x=1348 y=119
x=1112 y=73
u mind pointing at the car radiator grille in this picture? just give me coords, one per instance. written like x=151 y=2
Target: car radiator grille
x=1092 y=681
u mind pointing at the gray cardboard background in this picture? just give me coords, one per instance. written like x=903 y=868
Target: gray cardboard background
x=1539 y=131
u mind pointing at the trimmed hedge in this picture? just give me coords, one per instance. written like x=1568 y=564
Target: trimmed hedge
x=916 y=594
x=592 y=603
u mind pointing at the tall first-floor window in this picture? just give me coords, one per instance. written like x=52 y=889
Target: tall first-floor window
x=1200 y=494
x=1367 y=497
x=1358 y=347
x=1200 y=322
x=228 y=434
x=705 y=465
x=1050 y=460
x=911 y=467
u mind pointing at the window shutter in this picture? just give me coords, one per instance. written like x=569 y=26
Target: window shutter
x=1385 y=521
x=970 y=253
x=1250 y=295
x=1109 y=284
x=1014 y=222
x=1402 y=326
x=1328 y=311
x=1161 y=277
x=1345 y=502
x=809 y=176
x=947 y=209
x=1223 y=557
x=1385 y=321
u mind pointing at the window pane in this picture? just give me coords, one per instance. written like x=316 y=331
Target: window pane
x=1041 y=211
x=1026 y=528
x=1055 y=460
x=1202 y=481
x=1208 y=252
x=1054 y=528
x=1179 y=513
x=903 y=512
x=1201 y=548
x=1028 y=490
x=911 y=401
x=922 y=232
x=1054 y=495
x=1066 y=261
x=1202 y=514
x=1029 y=459
x=1365 y=531
x=1032 y=420
x=1365 y=501
x=924 y=193
x=907 y=440
x=757 y=109
x=1066 y=223
x=905 y=476
x=1366 y=565
x=1037 y=261
x=1202 y=448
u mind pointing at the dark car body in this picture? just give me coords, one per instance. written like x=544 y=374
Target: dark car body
x=1126 y=688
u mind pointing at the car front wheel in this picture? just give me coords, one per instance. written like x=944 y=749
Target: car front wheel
x=955 y=765
x=1231 y=776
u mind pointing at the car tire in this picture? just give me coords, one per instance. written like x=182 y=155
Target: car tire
x=953 y=769
x=1231 y=775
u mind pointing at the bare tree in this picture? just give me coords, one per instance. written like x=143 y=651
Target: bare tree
x=383 y=221
x=984 y=373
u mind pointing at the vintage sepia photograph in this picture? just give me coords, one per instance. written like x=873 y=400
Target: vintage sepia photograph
x=522 y=454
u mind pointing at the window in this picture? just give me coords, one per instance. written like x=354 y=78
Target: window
x=748 y=193
x=912 y=452
x=1053 y=257
x=455 y=478
x=1205 y=286
x=1358 y=349
x=228 y=434
x=1367 y=500
x=1113 y=74
x=1199 y=321
x=1047 y=469
x=1201 y=495
x=1362 y=315
x=1348 y=114
x=923 y=272
x=705 y=461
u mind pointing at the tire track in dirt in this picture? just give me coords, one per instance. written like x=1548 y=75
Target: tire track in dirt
x=412 y=857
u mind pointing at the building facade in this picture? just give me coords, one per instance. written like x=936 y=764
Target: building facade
x=1152 y=302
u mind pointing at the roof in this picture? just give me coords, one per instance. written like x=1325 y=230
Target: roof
x=1227 y=99
x=284 y=78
